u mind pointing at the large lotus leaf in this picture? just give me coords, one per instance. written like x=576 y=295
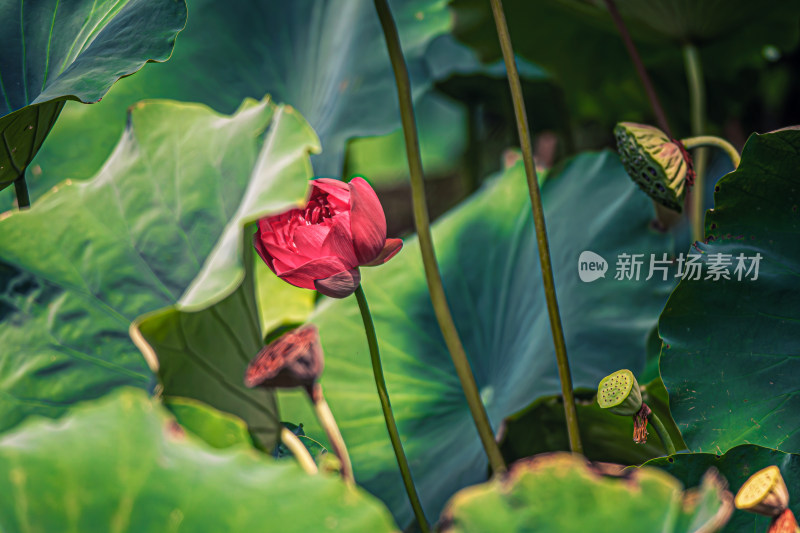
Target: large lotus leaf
x=123 y=464
x=490 y=266
x=731 y=347
x=562 y=493
x=200 y=347
x=92 y=256
x=56 y=50
x=736 y=465
x=327 y=59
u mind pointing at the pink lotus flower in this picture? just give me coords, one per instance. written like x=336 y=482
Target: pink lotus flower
x=322 y=245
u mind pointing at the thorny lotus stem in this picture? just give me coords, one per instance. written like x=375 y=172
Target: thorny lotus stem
x=709 y=140
x=383 y=394
x=541 y=230
x=422 y=223
x=697 y=105
x=328 y=423
x=662 y=433
x=666 y=216
x=21 y=190
x=299 y=451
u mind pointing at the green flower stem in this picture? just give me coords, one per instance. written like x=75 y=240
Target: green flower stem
x=21 y=190
x=328 y=423
x=709 y=140
x=541 y=231
x=662 y=433
x=422 y=223
x=383 y=394
x=697 y=105
x=299 y=451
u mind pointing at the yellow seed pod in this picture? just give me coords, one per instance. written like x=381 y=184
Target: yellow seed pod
x=764 y=493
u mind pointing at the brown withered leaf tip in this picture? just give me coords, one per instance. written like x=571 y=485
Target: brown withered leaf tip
x=292 y=360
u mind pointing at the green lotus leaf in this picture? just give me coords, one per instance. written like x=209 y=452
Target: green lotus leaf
x=218 y=429
x=737 y=465
x=730 y=354
x=89 y=258
x=55 y=51
x=563 y=493
x=326 y=59
x=122 y=464
x=489 y=262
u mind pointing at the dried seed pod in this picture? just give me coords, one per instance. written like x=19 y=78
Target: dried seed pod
x=659 y=165
x=293 y=360
x=619 y=393
x=764 y=493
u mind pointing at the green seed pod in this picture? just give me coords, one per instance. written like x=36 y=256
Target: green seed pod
x=658 y=164
x=620 y=394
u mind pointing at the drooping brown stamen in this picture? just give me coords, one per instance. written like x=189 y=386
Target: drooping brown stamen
x=640 y=424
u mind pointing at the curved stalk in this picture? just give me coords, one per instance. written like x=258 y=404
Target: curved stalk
x=662 y=433
x=21 y=190
x=422 y=223
x=299 y=451
x=697 y=106
x=328 y=423
x=710 y=140
x=541 y=230
x=388 y=415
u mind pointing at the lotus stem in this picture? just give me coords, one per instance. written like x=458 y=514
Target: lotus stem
x=388 y=415
x=328 y=423
x=709 y=140
x=667 y=217
x=662 y=433
x=299 y=451
x=422 y=223
x=557 y=329
x=641 y=71
x=697 y=106
x=21 y=190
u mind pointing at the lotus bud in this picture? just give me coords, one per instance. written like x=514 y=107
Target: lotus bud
x=659 y=165
x=620 y=394
x=764 y=493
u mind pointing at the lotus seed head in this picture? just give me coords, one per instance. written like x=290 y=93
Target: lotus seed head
x=764 y=493
x=619 y=393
